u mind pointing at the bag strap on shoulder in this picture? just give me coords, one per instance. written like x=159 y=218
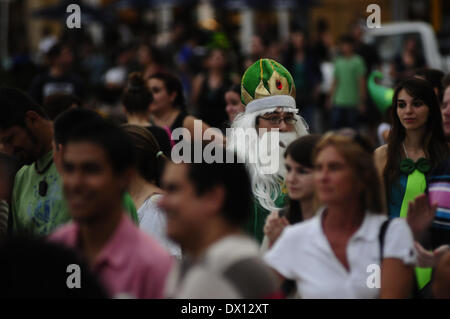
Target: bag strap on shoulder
x=382 y=235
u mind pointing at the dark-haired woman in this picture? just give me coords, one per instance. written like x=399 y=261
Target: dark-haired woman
x=209 y=87
x=300 y=186
x=168 y=109
x=136 y=100
x=233 y=102
x=144 y=186
x=416 y=144
x=151 y=60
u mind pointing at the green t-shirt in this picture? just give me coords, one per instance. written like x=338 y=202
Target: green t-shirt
x=347 y=73
x=34 y=214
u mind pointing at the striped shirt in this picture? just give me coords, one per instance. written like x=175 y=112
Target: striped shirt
x=4 y=211
x=439 y=192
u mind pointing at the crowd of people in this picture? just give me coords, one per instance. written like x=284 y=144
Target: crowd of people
x=207 y=68
x=338 y=216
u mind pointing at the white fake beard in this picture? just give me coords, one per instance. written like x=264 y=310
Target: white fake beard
x=266 y=187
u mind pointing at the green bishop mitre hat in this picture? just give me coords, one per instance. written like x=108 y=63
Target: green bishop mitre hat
x=267 y=84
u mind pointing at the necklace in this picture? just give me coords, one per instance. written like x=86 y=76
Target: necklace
x=43 y=185
x=404 y=148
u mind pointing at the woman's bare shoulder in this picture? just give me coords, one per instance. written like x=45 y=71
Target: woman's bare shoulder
x=381 y=151
x=380 y=157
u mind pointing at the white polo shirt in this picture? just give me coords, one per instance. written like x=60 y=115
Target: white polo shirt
x=303 y=253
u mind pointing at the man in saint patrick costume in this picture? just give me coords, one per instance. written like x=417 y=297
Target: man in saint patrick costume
x=268 y=95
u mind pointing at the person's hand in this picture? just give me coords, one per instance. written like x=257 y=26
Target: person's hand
x=427 y=258
x=420 y=215
x=439 y=252
x=274 y=226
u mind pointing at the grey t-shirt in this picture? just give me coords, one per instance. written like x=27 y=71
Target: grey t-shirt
x=230 y=268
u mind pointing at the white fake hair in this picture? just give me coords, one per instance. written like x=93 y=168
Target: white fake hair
x=266 y=187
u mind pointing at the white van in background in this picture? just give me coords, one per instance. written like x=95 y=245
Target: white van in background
x=389 y=40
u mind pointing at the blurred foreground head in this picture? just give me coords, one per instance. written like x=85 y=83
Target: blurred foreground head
x=97 y=162
x=32 y=268
x=201 y=195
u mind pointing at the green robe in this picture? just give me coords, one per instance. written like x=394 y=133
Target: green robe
x=255 y=226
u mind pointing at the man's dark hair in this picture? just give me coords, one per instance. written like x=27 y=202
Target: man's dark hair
x=34 y=268
x=14 y=104
x=57 y=103
x=65 y=122
x=110 y=137
x=233 y=177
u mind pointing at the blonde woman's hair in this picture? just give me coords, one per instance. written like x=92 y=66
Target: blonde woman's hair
x=357 y=152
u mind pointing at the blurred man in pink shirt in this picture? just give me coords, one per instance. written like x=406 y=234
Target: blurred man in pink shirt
x=96 y=171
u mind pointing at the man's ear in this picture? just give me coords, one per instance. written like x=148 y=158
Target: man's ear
x=173 y=96
x=57 y=147
x=214 y=199
x=32 y=119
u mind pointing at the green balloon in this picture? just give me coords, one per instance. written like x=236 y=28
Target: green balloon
x=381 y=95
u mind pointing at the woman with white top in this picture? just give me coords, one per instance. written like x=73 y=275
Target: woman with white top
x=144 y=187
x=337 y=253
